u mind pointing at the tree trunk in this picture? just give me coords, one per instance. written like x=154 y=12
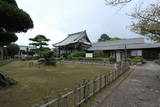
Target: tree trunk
x=1 y=52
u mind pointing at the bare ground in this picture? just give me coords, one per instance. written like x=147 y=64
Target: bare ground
x=140 y=89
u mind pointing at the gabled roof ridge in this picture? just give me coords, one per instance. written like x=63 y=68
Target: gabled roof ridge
x=61 y=41
x=127 y=44
x=76 y=33
x=72 y=38
x=70 y=35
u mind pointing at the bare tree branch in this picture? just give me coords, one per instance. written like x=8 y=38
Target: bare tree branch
x=116 y=2
x=147 y=21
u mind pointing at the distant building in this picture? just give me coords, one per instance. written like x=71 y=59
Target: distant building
x=129 y=47
x=73 y=43
x=24 y=50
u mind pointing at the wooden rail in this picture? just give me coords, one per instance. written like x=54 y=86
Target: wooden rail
x=4 y=62
x=82 y=93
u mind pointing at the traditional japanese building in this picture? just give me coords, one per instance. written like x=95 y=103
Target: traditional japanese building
x=126 y=48
x=73 y=43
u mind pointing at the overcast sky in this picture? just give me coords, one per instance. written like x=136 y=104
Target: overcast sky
x=57 y=18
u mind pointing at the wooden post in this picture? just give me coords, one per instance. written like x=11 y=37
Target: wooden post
x=65 y=102
x=114 y=75
x=75 y=97
x=88 y=89
x=46 y=99
x=94 y=87
x=79 y=93
x=59 y=101
x=84 y=89
x=100 y=82
x=109 y=78
x=105 y=81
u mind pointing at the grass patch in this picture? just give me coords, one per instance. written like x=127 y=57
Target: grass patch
x=35 y=83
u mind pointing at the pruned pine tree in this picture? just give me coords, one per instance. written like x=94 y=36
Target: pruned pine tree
x=12 y=20
x=39 y=41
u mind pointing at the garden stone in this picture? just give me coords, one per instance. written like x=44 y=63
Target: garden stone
x=5 y=80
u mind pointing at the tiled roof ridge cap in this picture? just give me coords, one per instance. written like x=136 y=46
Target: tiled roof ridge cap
x=125 y=44
x=76 y=33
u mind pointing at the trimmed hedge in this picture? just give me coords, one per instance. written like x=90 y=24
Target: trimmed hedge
x=110 y=59
x=77 y=54
x=135 y=59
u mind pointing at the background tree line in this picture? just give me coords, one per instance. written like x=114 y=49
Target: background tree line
x=146 y=21
x=105 y=37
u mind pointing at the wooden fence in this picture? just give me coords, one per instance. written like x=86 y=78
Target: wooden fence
x=82 y=93
x=3 y=62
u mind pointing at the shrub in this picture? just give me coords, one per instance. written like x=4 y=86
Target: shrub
x=137 y=59
x=49 y=58
x=127 y=59
x=112 y=59
x=77 y=54
x=87 y=59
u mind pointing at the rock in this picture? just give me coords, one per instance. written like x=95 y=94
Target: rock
x=5 y=80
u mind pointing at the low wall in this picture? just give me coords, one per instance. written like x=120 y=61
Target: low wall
x=102 y=63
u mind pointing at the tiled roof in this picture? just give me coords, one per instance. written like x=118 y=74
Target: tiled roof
x=137 y=43
x=73 y=38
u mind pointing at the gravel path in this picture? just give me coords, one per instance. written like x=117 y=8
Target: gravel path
x=140 y=89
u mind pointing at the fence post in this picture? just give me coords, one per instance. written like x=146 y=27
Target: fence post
x=114 y=74
x=109 y=78
x=105 y=81
x=65 y=103
x=79 y=93
x=88 y=89
x=46 y=99
x=100 y=82
x=84 y=89
x=94 y=87
x=59 y=101
x=75 y=97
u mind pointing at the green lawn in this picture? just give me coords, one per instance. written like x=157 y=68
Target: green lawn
x=35 y=83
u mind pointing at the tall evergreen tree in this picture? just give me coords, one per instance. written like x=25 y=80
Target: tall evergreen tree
x=12 y=20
